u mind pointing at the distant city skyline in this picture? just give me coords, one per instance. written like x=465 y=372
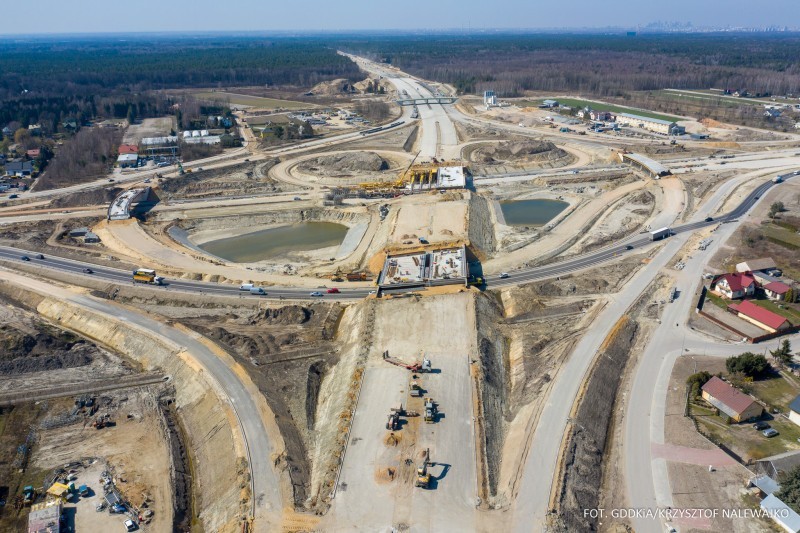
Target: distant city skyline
x=96 y=16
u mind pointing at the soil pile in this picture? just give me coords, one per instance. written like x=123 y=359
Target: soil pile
x=344 y=164
x=335 y=87
x=46 y=349
x=91 y=197
x=522 y=151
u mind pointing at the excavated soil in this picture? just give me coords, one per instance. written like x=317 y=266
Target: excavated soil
x=541 y=152
x=287 y=351
x=90 y=197
x=239 y=180
x=344 y=165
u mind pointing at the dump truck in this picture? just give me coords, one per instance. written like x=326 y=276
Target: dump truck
x=393 y=422
x=423 y=476
x=357 y=276
x=147 y=275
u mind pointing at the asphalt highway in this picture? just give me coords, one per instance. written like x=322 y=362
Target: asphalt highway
x=516 y=277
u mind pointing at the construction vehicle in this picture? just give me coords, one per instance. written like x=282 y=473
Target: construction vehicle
x=416 y=390
x=393 y=422
x=28 y=494
x=337 y=276
x=423 y=476
x=430 y=411
x=357 y=276
x=147 y=275
x=424 y=366
x=475 y=281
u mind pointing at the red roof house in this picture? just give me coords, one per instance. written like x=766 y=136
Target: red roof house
x=776 y=290
x=128 y=149
x=33 y=154
x=737 y=405
x=763 y=318
x=735 y=285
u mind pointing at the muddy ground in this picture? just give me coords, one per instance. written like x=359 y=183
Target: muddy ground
x=287 y=351
x=89 y=197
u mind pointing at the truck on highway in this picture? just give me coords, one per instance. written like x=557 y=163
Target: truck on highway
x=658 y=234
x=777 y=179
x=147 y=275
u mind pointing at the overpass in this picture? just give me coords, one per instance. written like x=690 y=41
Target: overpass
x=654 y=168
x=120 y=208
x=430 y=100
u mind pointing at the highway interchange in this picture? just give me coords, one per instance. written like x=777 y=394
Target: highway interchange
x=645 y=485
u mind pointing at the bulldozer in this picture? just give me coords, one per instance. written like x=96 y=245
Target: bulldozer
x=423 y=476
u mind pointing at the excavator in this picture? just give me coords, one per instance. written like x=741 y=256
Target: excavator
x=423 y=476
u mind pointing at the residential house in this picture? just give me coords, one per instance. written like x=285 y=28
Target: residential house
x=763 y=318
x=601 y=116
x=763 y=264
x=33 y=154
x=794 y=411
x=7 y=132
x=737 y=405
x=128 y=149
x=772 y=113
x=734 y=286
x=35 y=129
x=19 y=169
x=776 y=290
x=70 y=125
x=777 y=466
x=549 y=103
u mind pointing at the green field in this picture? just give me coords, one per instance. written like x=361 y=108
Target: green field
x=577 y=104
x=252 y=101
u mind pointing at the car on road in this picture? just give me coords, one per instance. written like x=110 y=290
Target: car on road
x=39 y=256
x=247 y=160
x=111 y=180
x=316 y=294
x=769 y=433
x=629 y=247
x=296 y=198
x=503 y=275
x=130 y=525
x=88 y=271
x=13 y=197
x=333 y=290
x=258 y=290
x=760 y=426
x=709 y=219
x=148 y=180
x=25 y=258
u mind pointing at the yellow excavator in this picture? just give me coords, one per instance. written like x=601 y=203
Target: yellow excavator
x=423 y=475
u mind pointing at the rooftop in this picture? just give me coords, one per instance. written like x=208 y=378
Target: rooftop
x=127 y=158
x=777 y=287
x=737 y=281
x=451 y=177
x=759 y=314
x=764 y=263
x=725 y=393
x=646 y=119
x=781 y=513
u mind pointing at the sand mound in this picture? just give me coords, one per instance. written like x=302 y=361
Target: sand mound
x=345 y=163
x=518 y=151
x=711 y=123
x=333 y=88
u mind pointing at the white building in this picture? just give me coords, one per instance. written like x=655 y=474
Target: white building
x=657 y=125
x=489 y=99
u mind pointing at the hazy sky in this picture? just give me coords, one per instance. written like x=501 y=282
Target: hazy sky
x=93 y=16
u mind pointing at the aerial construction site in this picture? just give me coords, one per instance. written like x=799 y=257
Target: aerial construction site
x=452 y=318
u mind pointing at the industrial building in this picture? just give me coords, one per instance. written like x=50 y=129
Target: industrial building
x=665 y=127
x=155 y=146
x=127 y=160
x=489 y=99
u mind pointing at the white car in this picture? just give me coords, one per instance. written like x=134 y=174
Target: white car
x=503 y=275
x=130 y=525
x=316 y=294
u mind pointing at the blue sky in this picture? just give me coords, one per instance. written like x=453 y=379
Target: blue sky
x=94 y=16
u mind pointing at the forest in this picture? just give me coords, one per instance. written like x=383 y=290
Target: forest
x=601 y=65
x=53 y=81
